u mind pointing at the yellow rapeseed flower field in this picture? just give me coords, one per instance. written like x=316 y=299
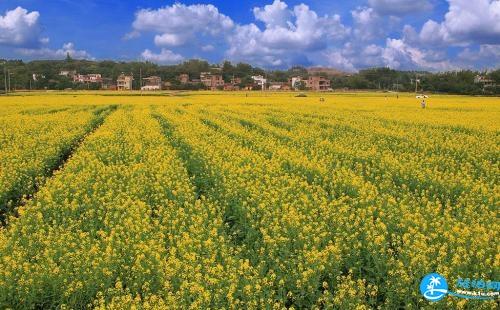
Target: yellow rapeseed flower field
x=245 y=200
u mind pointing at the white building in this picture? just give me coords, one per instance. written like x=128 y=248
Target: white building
x=151 y=83
x=68 y=73
x=260 y=80
x=87 y=78
x=295 y=81
x=37 y=76
x=151 y=87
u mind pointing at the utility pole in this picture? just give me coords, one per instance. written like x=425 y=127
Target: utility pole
x=5 y=76
x=140 y=80
x=9 y=73
x=264 y=82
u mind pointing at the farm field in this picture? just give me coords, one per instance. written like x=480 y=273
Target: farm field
x=236 y=200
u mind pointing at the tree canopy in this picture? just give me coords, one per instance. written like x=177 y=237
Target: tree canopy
x=47 y=75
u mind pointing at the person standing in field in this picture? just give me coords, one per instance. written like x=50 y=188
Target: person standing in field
x=423 y=103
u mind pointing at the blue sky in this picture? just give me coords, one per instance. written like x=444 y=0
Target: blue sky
x=349 y=35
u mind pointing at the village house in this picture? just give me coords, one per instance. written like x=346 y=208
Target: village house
x=79 y=78
x=212 y=81
x=167 y=85
x=108 y=84
x=318 y=83
x=124 y=82
x=94 y=78
x=295 y=82
x=184 y=78
x=151 y=83
x=68 y=73
x=260 y=81
x=236 y=81
x=87 y=78
x=276 y=86
x=479 y=79
x=231 y=87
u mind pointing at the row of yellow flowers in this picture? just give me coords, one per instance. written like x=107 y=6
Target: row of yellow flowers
x=32 y=142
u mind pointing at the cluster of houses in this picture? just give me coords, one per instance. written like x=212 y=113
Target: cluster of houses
x=124 y=82
x=484 y=82
x=210 y=80
x=216 y=82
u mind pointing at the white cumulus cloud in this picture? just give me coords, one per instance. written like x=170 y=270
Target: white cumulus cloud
x=339 y=61
x=170 y=39
x=486 y=56
x=396 y=54
x=20 y=28
x=466 y=22
x=208 y=48
x=61 y=53
x=179 y=24
x=399 y=55
x=368 y=24
x=273 y=15
x=165 y=57
x=397 y=7
x=291 y=36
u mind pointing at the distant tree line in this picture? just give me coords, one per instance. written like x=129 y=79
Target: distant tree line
x=385 y=79
x=453 y=82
